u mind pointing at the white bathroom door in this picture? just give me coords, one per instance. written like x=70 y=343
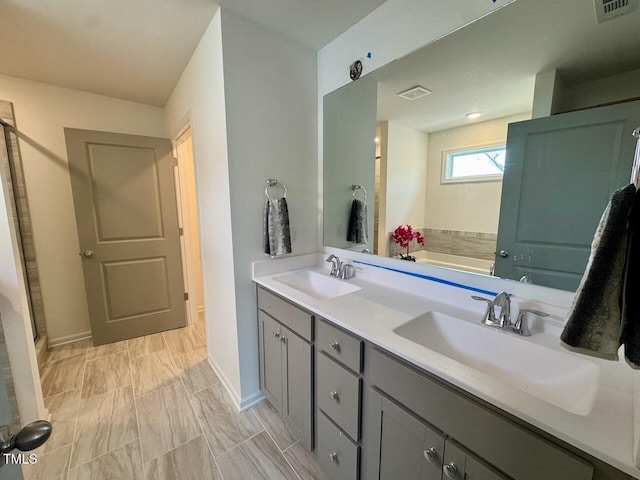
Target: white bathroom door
x=125 y=204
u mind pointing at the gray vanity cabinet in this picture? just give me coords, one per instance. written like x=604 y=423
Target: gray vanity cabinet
x=460 y=465
x=271 y=360
x=286 y=362
x=408 y=447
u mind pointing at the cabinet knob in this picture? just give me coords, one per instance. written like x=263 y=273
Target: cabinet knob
x=333 y=457
x=334 y=396
x=431 y=454
x=503 y=253
x=283 y=339
x=335 y=346
x=276 y=335
x=451 y=470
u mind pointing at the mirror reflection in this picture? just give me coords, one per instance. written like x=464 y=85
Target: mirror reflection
x=500 y=144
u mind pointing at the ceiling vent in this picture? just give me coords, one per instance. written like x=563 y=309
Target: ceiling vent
x=608 y=9
x=414 y=93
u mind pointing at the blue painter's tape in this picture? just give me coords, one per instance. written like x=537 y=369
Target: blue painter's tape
x=430 y=278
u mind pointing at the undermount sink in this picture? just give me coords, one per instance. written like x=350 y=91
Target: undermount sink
x=559 y=378
x=316 y=284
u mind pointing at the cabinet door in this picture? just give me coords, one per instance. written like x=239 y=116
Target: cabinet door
x=474 y=470
x=408 y=448
x=460 y=465
x=297 y=370
x=271 y=360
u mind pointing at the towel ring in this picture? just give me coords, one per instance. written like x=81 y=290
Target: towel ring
x=355 y=189
x=272 y=182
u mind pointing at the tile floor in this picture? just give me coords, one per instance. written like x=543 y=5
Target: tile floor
x=152 y=408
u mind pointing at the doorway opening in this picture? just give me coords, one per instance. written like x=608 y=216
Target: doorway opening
x=184 y=169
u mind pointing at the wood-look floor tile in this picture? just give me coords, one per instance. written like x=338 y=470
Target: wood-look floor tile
x=52 y=466
x=105 y=422
x=274 y=425
x=68 y=350
x=123 y=463
x=166 y=420
x=105 y=374
x=195 y=370
x=257 y=458
x=153 y=371
x=145 y=345
x=62 y=376
x=304 y=463
x=222 y=424
x=63 y=409
x=191 y=461
x=106 y=350
x=183 y=340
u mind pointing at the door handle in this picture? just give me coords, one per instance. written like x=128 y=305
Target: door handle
x=29 y=438
x=88 y=253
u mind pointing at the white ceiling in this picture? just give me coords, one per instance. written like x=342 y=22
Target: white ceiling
x=137 y=49
x=313 y=23
x=491 y=65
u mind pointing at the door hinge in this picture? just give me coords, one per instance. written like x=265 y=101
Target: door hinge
x=175 y=161
x=186 y=296
x=180 y=231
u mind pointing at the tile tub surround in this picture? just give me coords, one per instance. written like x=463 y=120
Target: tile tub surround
x=466 y=244
x=373 y=312
x=166 y=416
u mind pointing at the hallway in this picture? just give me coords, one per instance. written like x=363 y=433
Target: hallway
x=153 y=408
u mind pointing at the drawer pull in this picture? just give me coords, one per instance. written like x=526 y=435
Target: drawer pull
x=334 y=396
x=276 y=335
x=431 y=454
x=333 y=457
x=335 y=346
x=451 y=470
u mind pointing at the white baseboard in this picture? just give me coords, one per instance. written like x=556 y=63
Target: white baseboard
x=225 y=382
x=56 y=342
x=251 y=400
x=241 y=404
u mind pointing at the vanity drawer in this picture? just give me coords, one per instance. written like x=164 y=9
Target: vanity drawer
x=340 y=345
x=337 y=454
x=294 y=318
x=339 y=395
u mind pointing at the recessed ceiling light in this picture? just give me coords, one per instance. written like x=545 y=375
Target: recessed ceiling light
x=414 y=93
x=474 y=115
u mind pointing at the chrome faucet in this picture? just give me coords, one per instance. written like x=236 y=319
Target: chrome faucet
x=340 y=269
x=336 y=265
x=503 y=301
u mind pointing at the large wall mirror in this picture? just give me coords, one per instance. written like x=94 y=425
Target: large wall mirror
x=500 y=143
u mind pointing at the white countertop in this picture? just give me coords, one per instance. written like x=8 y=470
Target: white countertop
x=388 y=299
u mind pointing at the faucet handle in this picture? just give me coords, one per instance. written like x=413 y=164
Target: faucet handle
x=347 y=271
x=490 y=314
x=521 y=327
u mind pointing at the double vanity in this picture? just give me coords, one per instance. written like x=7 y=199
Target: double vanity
x=390 y=375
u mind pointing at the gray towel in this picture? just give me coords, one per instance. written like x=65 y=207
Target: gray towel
x=594 y=323
x=631 y=309
x=277 y=239
x=357 y=231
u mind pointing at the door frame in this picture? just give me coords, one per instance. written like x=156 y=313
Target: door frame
x=183 y=169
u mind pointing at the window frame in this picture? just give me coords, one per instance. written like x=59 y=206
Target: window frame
x=447 y=154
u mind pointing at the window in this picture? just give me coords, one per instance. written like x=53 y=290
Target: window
x=474 y=165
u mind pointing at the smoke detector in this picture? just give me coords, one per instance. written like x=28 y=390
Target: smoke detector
x=414 y=93
x=608 y=9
